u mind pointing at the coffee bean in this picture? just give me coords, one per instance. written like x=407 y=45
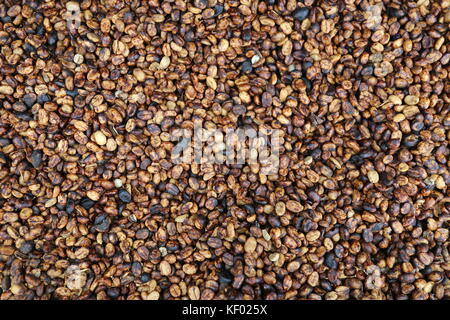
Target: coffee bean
x=172 y=189
x=43 y=98
x=40 y=30
x=28 y=47
x=53 y=38
x=124 y=196
x=145 y=277
x=87 y=203
x=246 y=66
x=307 y=84
x=72 y=93
x=102 y=222
x=357 y=202
x=26 y=247
x=367 y=70
x=113 y=292
x=29 y=99
x=218 y=9
x=36 y=158
x=239 y=109
x=70 y=206
x=330 y=261
x=301 y=13
x=225 y=276
x=394 y=12
x=23 y=116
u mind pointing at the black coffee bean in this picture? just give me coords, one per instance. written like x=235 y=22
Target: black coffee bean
x=314 y=196
x=225 y=276
x=394 y=12
x=34 y=5
x=4 y=142
x=29 y=99
x=411 y=141
x=417 y=126
x=72 y=93
x=136 y=268
x=121 y=207
x=28 y=47
x=306 y=65
x=53 y=38
x=145 y=277
x=35 y=210
x=385 y=179
x=6 y=282
x=218 y=9
x=124 y=196
x=102 y=222
x=87 y=203
x=247 y=35
x=367 y=235
x=25 y=116
x=246 y=66
x=356 y=159
x=301 y=13
x=43 y=98
x=367 y=70
x=70 y=206
x=113 y=292
x=287 y=78
x=330 y=261
x=40 y=30
x=26 y=247
x=326 y=285
x=36 y=158
x=6 y=19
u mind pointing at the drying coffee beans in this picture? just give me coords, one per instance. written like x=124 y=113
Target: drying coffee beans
x=339 y=116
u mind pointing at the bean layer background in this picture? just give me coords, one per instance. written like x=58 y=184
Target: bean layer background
x=92 y=207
